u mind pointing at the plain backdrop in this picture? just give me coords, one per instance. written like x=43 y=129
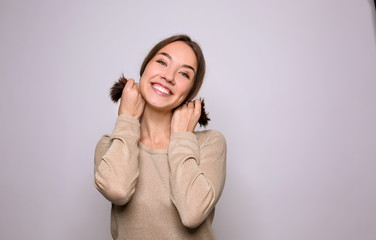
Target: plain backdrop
x=291 y=84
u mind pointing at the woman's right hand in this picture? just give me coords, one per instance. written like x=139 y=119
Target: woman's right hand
x=132 y=101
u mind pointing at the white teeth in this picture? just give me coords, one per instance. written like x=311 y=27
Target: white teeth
x=161 y=89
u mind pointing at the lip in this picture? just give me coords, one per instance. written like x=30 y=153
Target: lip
x=159 y=92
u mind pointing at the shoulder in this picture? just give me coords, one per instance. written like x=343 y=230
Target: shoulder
x=206 y=137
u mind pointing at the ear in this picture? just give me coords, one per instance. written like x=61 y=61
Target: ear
x=117 y=89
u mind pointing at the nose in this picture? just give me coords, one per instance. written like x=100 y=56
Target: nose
x=168 y=75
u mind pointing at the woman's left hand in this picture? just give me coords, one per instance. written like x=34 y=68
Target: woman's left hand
x=185 y=118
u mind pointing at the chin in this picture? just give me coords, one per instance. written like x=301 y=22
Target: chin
x=162 y=106
x=161 y=103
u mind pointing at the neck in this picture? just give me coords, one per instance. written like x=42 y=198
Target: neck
x=155 y=127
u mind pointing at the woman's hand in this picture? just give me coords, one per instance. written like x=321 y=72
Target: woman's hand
x=185 y=118
x=132 y=101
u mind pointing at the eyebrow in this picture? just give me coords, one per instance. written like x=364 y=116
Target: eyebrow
x=184 y=65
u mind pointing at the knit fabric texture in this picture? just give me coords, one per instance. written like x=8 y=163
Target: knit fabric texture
x=160 y=193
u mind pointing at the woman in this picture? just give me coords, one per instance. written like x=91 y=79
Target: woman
x=162 y=178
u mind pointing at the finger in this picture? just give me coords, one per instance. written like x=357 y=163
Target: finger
x=129 y=84
x=183 y=105
x=190 y=105
x=136 y=85
x=197 y=106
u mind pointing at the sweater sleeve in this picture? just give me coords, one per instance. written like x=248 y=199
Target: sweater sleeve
x=197 y=174
x=116 y=161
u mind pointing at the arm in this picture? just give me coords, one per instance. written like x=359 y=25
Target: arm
x=116 y=156
x=197 y=174
x=116 y=161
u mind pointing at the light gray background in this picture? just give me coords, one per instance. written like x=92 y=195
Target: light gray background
x=291 y=84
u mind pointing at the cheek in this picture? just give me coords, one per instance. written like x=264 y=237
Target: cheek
x=151 y=69
x=142 y=86
x=186 y=88
x=190 y=86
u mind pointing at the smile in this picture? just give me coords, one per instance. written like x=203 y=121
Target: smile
x=161 y=89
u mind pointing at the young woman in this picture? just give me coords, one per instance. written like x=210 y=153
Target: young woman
x=162 y=177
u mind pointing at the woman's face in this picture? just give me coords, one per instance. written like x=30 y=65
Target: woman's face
x=169 y=76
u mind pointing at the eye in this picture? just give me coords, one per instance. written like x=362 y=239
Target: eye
x=185 y=75
x=161 y=62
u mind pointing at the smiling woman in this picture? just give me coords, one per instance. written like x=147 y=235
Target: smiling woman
x=168 y=77
x=163 y=178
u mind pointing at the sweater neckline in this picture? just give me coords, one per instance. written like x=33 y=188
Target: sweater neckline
x=152 y=150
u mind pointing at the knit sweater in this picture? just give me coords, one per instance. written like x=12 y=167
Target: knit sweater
x=160 y=193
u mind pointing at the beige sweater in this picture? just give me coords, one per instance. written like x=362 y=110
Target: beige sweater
x=157 y=193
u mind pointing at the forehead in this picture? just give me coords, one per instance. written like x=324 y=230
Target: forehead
x=181 y=53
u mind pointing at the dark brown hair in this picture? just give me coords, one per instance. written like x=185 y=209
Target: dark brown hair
x=118 y=86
